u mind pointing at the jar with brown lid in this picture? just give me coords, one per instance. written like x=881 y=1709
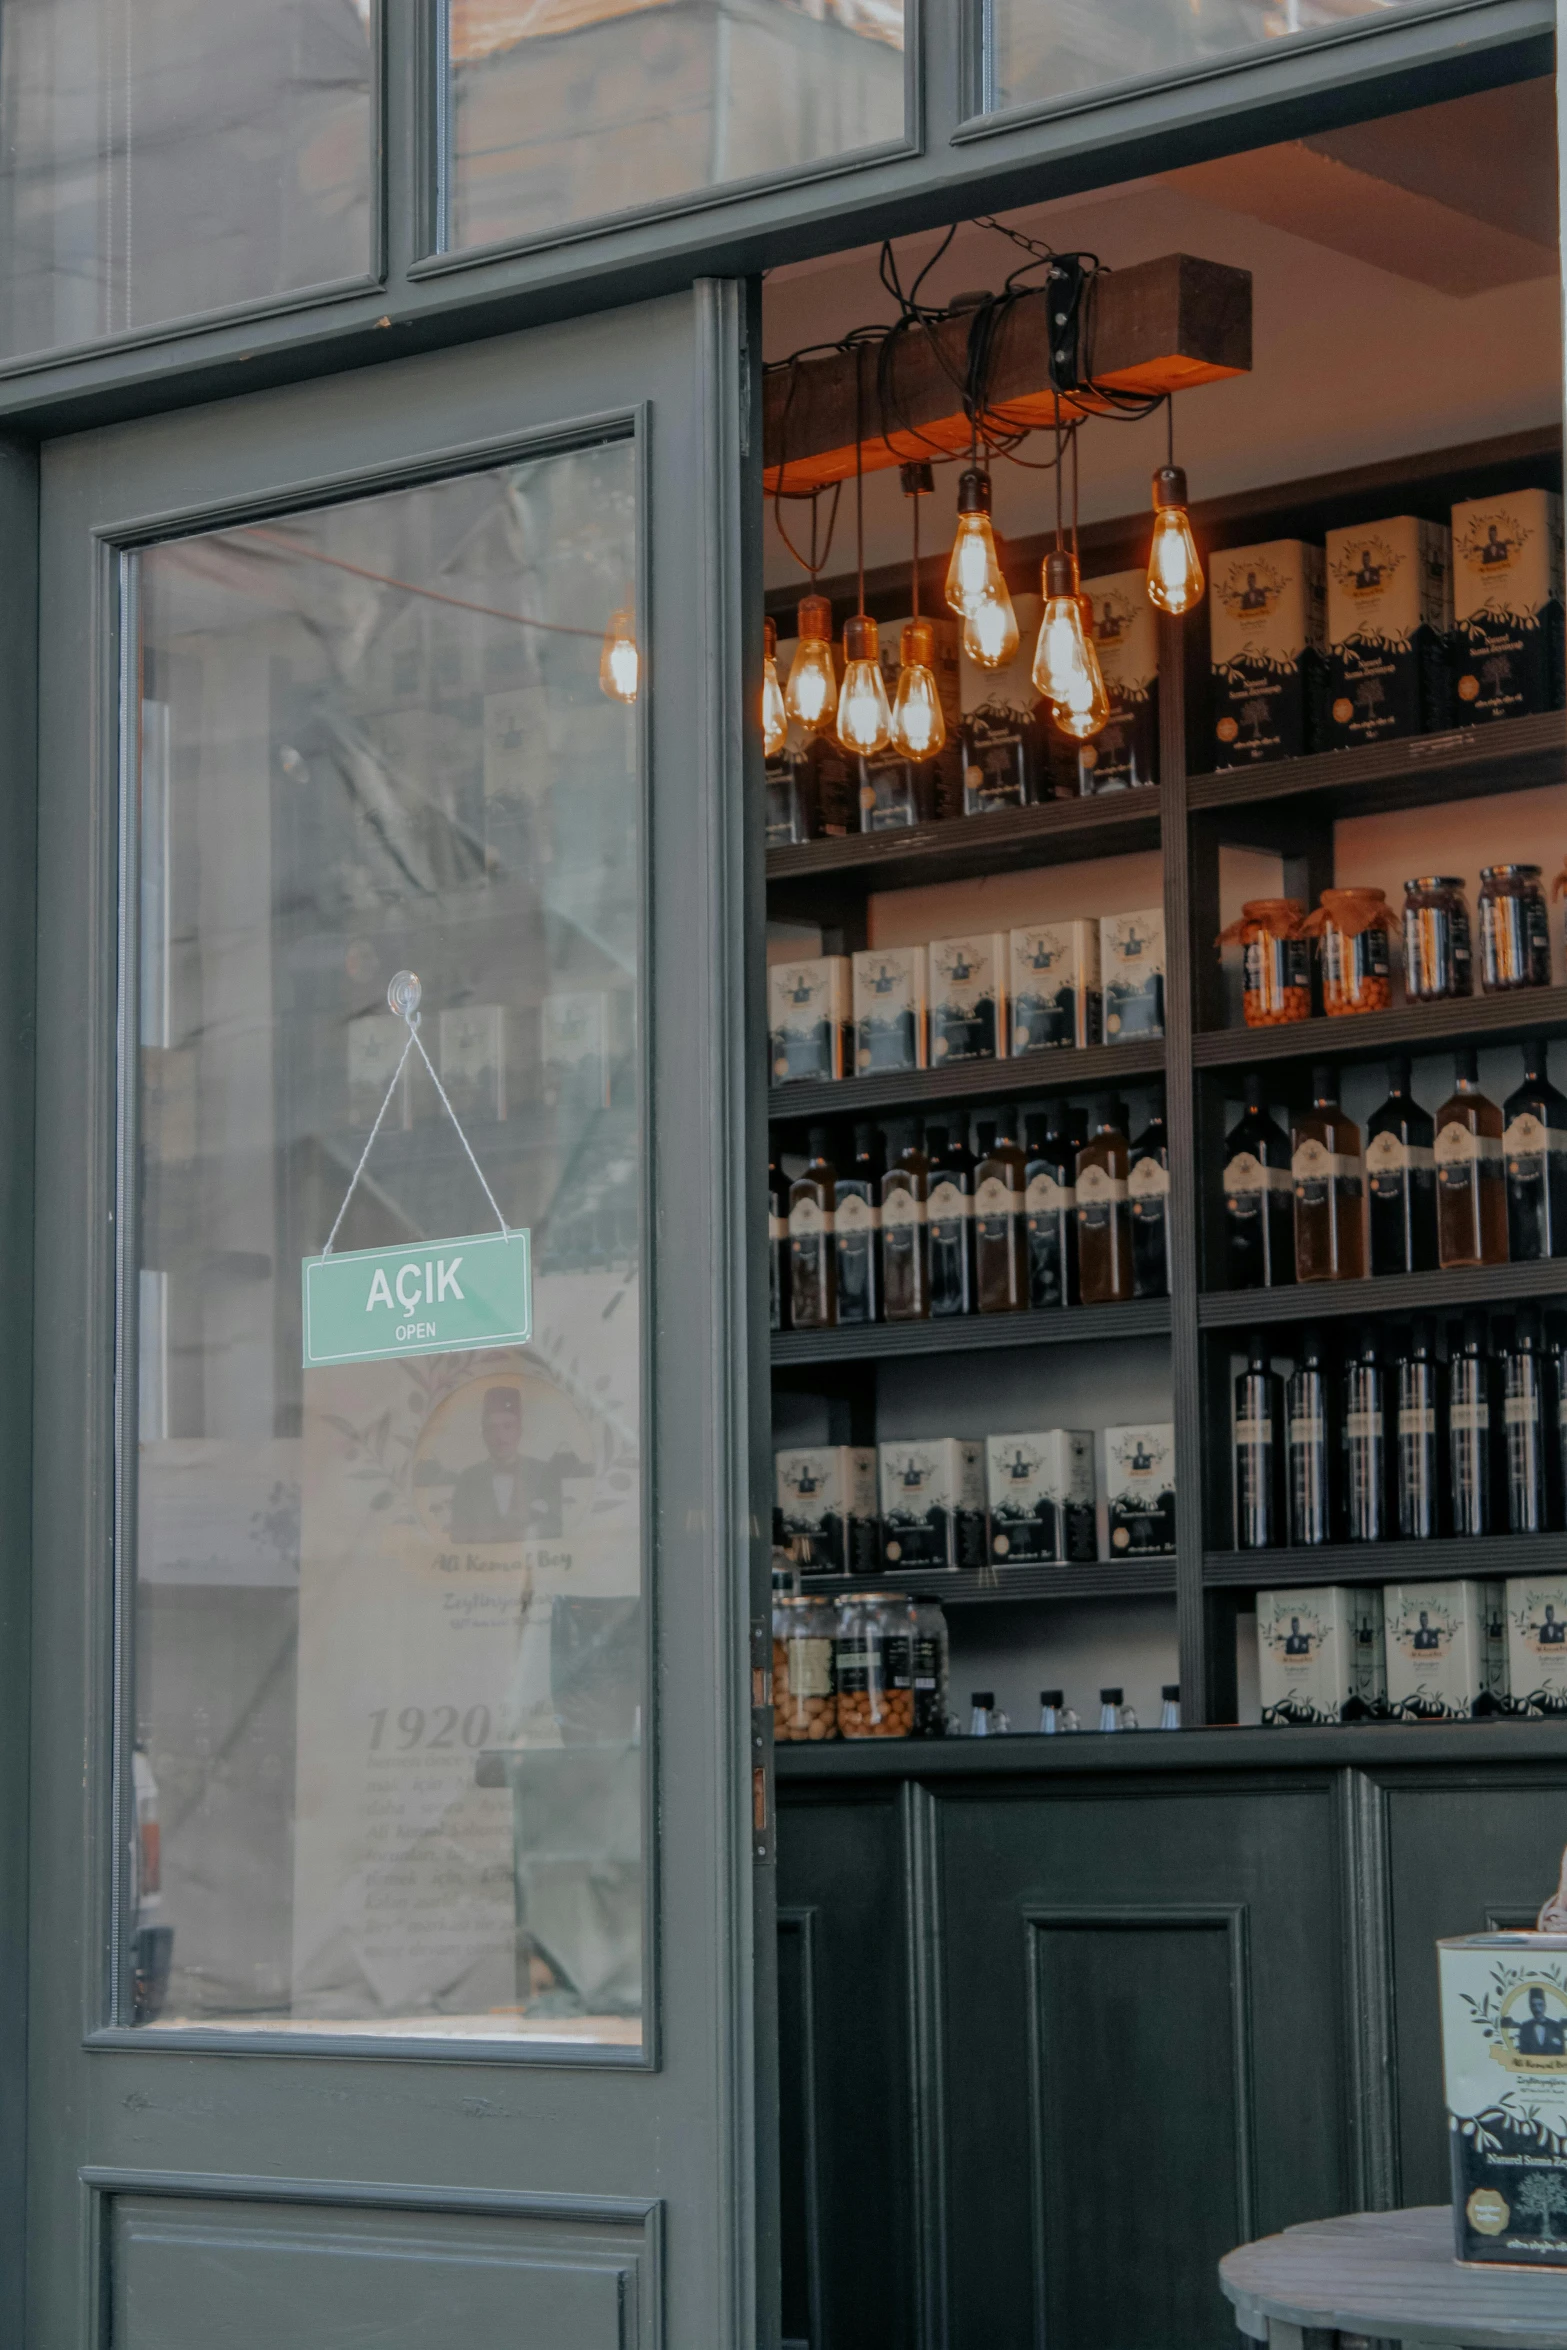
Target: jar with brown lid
x=805 y=1689
x=874 y=1666
x=1352 y=926
x=1277 y=961
x=1438 y=957
x=1515 y=930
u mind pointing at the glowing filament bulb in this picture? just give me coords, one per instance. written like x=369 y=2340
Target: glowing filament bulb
x=620 y=664
x=813 y=682
x=1066 y=666
x=775 y=718
x=864 y=718
x=918 y=726
x=974 y=573
x=990 y=633
x=1175 y=581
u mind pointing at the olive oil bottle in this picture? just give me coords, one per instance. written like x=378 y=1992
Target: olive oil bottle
x=1148 y=1196
x=1259 y=1238
x=1000 y=1238
x=1534 y=1143
x=813 y=1285
x=1050 y=1209
x=1365 y=1440
x=1258 y=1516
x=1471 y=1177
x=1401 y=1179
x=1416 y=1403
x=950 y=1223
x=777 y=1245
x=857 y=1231
x=1329 y=1177
x=905 y=1253
x=1524 y=1408
x=1308 y=1421
x=1104 y=1222
x=1469 y=1440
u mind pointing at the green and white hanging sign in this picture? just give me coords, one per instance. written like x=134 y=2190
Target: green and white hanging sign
x=421 y=1297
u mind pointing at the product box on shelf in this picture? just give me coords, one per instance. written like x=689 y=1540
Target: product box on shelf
x=788 y=779
x=1002 y=732
x=1319 y=1654
x=1140 y=1488
x=1131 y=972
x=889 y=1009
x=827 y=1500
x=808 y=1018
x=1389 y=609
x=1507 y=606
x=1504 y=2059
x=1443 y=1659
x=933 y=1502
x=1124 y=756
x=1536 y=1611
x=1265 y=646
x=1053 y=969
x=472 y=1043
x=968 y=998
x=1041 y=1494
x=894 y=791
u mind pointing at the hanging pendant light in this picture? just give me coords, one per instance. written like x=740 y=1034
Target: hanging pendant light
x=1066 y=665
x=990 y=633
x=864 y=718
x=975 y=588
x=620 y=664
x=813 y=681
x=1175 y=581
x=919 y=725
x=775 y=718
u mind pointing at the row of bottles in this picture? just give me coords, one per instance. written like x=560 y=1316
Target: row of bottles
x=1474 y=1185
x=1392 y=1442
x=922 y=1227
x=986 y=1720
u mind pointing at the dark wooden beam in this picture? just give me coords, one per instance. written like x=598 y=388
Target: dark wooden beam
x=1160 y=326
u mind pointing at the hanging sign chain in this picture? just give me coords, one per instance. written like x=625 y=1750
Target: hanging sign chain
x=403 y=995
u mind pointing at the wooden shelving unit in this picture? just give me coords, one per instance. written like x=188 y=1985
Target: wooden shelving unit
x=1139 y=1578
x=961 y=1334
x=1492 y=1556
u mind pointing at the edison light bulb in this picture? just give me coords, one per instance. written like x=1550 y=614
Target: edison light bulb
x=1066 y=666
x=1175 y=581
x=620 y=663
x=974 y=574
x=990 y=633
x=813 y=682
x=864 y=719
x=775 y=718
x=918 y=727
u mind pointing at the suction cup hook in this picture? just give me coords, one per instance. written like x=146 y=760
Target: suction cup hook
x=404 y=995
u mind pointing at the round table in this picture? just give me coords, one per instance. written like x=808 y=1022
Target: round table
x=1389 y=2276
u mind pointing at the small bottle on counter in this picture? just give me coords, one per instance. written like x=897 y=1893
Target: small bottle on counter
x=1055 y=1715
x=1111 y=1709
x=857 y=1231
x=1104 y=1224
x=1401 y=1179
x=813 y=1286
x=1469 y=1430
x=1365 y=1441
x=1438 y=949
x=1515 y=929
x=1050 y=1209
x=1417 y=1404
x=1170 y=1706
x=1471 y=1178
x=1308 y=1432
x=1525 y=1388
x=1259 y=1196
x=905 y=1235
x=1534 y=1147
x=983 y=1721
x=1000 y=1240
x=950 y=1223
x=1329 y=1178
x=1148 y=1194
x=1257 y=1449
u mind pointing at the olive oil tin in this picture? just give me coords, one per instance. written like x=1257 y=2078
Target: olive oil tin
x=827 y=1502
x=1536 y=1611
x=1389 y=608
x=968 y=998
x=1140 y=1488
x=1265 y=645
x=889 y=1009
x=1131 y=968
x=1054 y=975
x=1125 y=755
x=1504 y=2058
x=1442 y=1661
x=1507 y=606
x=1041 y=1493
x=807 y=1018
x=1002 y=733
x=932 y=1502
x=1319 y=1654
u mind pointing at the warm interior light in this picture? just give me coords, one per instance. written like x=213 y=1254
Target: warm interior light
x=864 y=718
x=919 y=727
x=990 y=634
x=974 y=573
x=775 y=718
x=620 y=663
x=813 y=682
x=1175 y=581
x=1066 y=665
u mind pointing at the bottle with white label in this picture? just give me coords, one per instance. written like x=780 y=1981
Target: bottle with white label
x=1259 y=1194
x=813 y=1285
x=1329 y=1177
x=1417 y=1403
x=1257 y=1514
x=1365 y=1441
x=1104 y=1223
x=777 y=1245
x=1308 y=1449
x=1534 y=1144
x=1000 y=1245
x=1469 y=1430
x=1471 y=1180
x=950 y=1223
x=1050 y=1209
x=1401 y=1179
x=1148 y=1193
x=1524 y=1389
x=905 y=1257
x=857 y=1231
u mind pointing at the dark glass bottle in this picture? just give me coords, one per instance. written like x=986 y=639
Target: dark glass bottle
x=1556 y=1413
x=1148 y=1197
x=1525 y=1416
x=1365 y=1440
x=1258 y=1516
x=1308 y=1443
x=1079 y=1125
x=777 y=1245
x=1329 y=1178
x=1471 y=1180
x=1104 y=1223
x=950 y=1223
x=1469 y=1430
x=857 y=1231
x=1534 y=1145
x=1259 y=1194
x=1401 y=1179
x=1050 y=1209
x=813 y=1287
x=905 y=1237
x=1000 y=1241
x=1417 y=1402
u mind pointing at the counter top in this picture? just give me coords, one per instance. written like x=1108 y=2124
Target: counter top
x=1355 y=1745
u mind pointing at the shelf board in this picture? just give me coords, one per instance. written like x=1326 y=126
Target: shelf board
x=1493 y=1555
x=1516 y=754
x=961 y=1586
x=1055 y=832
x=873 y=1342
x=1391 y=1293
x=1406 y=1028
x=1095 y=1068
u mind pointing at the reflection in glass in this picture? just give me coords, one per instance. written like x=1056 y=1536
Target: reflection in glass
x=167 y=157
x=389 y=1643
x=562 y=110
x=1036 y=50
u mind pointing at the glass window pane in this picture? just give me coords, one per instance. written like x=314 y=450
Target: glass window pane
x=167 y=157
x=1037 y=50
x=562 y=110
x=388 y=1627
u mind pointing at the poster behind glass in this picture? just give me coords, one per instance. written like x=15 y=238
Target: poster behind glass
x=389 y=1650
